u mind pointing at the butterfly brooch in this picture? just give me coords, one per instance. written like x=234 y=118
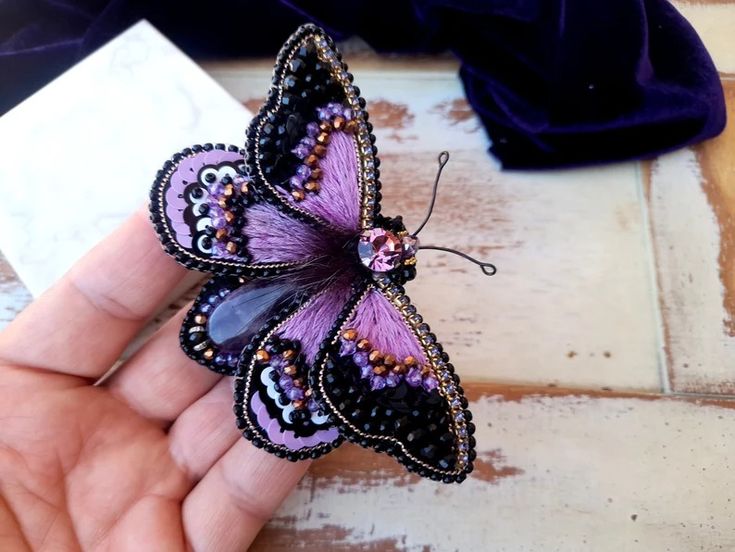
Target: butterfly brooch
x=305 y=306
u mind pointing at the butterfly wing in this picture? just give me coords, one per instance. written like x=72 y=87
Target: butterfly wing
x=311 y=145
x=388 y=385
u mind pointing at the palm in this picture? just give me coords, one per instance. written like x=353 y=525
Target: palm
x=151 y=458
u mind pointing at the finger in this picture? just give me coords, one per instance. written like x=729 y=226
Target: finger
x=82 y=324
x=159 y=381
x=227 y=508
x=204 y=431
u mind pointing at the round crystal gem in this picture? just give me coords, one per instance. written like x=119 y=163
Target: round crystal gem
x=380 y=250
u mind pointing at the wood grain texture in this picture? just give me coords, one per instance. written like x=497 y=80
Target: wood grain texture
x=559 y=469
x=692 y=205
x=573 y=301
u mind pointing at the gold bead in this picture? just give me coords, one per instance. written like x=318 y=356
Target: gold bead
x=200 y=319
x=379 y=370
x=298 y=195
x=312 y=186
x=229 y=216
x=231 y=247
x=375 y=357
x=290 y=370
x=350 y=334
x=229 y=190
x=298 y=383
x=325 y=126
x=389 y=360
x=317 y=173
x=320 y=150
x=363 y=345
x=208 y=354
x=244 y=188
x=410 y=361
x=399 y=369
x=351 y=126
x=221 y=234
x=308 y=393
x=261 y=355
x=311 y=161
x=289 y=354
x=222 y=202
x=425 y=370
x=322 y=139
x=339 y=123
x=298 y=404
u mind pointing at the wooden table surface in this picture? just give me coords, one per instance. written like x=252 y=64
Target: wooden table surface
x=600 y=361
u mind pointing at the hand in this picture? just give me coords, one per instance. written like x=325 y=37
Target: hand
x=150 y=459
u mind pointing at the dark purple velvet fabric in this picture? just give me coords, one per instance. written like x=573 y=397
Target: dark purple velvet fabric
x=555 y=82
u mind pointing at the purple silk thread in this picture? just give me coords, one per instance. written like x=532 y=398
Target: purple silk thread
x=377 y=320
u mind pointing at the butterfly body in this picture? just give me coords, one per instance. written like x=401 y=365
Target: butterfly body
x=306 y=306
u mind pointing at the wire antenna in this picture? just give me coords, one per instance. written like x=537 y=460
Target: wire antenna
x=488 y=269
x=443 y=160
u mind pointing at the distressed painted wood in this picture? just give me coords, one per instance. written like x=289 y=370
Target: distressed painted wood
x=714 y=21
x=573 y=301
x=692 y=206
x=558 y=470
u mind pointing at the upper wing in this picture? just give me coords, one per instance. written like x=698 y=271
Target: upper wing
x=388 y=385
x=311 y=145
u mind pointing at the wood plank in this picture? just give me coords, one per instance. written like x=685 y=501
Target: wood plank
x=573 y=301
x=692 y=206
x=559 y=469
x=714 y=21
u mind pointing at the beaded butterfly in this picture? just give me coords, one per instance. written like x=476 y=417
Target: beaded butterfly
x=306 y=306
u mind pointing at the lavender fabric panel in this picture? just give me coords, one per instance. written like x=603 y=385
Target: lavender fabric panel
x=377 y=320
x=338 y=200
x=287 y=438
x=276 y=237
x=186 y=173
x=313 y=323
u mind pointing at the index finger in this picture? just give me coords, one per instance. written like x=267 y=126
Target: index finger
x=82 y=324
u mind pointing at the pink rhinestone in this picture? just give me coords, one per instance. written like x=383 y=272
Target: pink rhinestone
x=410 y=246
x=379 y=250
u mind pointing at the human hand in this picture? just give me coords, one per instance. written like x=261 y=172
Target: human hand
x=151 y=458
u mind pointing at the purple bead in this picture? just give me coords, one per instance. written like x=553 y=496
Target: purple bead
x=213 y=299
x=392 y=379
x=336 y=109
x=348 y=113
x=216 y=188
x=296 y=182
x=347 y=347
x=377 y=382
x=285 y=382
x=232 y=359
x=312 y=129
x=295 y=394
x=301 y=151
x=361 y=359
x=366 y=371
x=220 y=359
x=312 y=405
x=205 y=309
x=309 y=142
x=323 y=113
x=303 y=171
x=414 y=377
x=430 y=383
x=218 y=221
x=459 y=417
